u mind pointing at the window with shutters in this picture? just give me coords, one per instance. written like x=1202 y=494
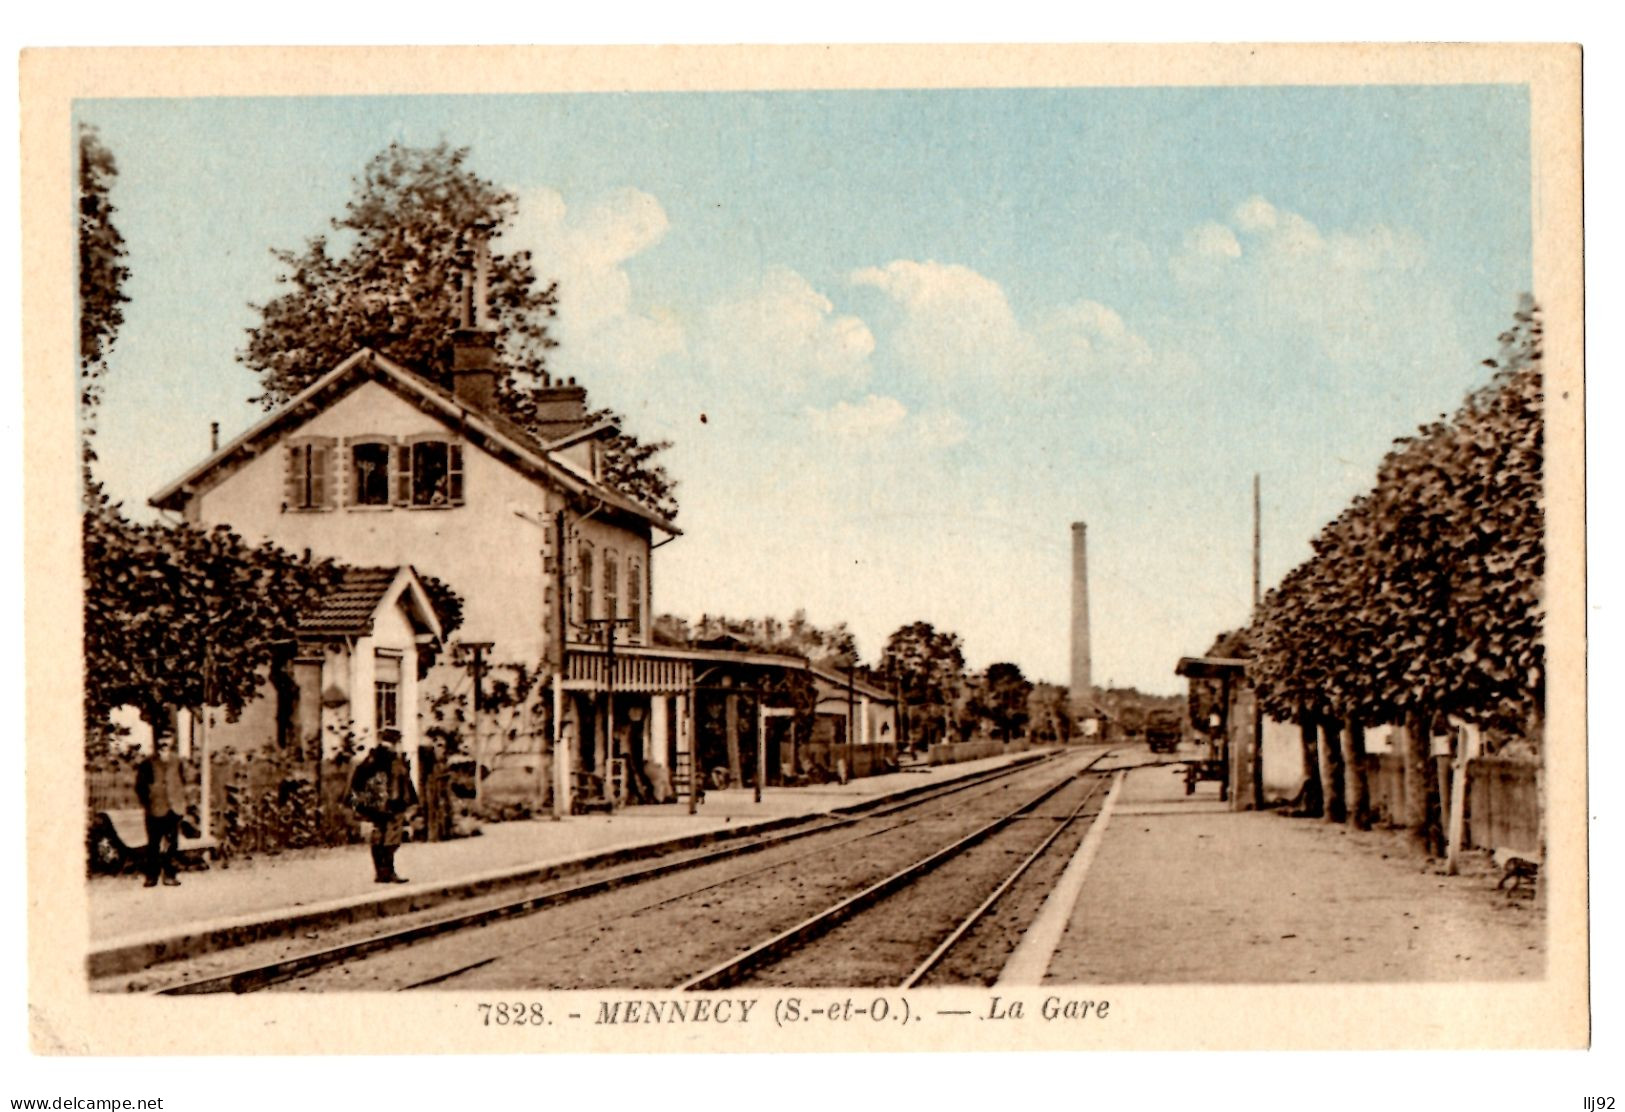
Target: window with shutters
x=634 y=597
x=584 y=571
x=612 y=585
x=309 y=481
x=429 y=472
x=369 y=471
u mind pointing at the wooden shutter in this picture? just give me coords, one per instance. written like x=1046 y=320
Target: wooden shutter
x=454 y=474
x=634 y=596
x=344 y=484
x=403 y=474
x=321 y=476
x=293 y=487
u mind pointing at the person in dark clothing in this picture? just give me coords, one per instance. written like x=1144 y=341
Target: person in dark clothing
x=381 y=792
x=162 y=791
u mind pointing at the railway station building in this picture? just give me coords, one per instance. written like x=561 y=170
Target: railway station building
x=409 y=481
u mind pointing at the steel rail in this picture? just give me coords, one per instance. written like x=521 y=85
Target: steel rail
x=480 y=963
x=982 y=909
x=736 y=968
x=257 y=977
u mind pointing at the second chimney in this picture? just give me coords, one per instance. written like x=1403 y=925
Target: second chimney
x=474 y=367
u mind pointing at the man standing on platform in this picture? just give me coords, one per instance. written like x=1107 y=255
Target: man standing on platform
x=162 y=791
x=381 y=792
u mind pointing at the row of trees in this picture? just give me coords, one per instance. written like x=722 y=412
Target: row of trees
x=1423 y=599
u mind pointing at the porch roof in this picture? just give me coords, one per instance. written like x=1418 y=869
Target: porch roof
x=351 y=607
x=1210 y=667
x=655 y=668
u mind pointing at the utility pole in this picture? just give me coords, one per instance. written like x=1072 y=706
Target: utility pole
x=561 y=622
x=851 y=721
x=1257 y=578
x=609 y=625
x=1258 y=716
x=476 y=672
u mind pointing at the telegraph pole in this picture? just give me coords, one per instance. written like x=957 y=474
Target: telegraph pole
x=609 y=625
x=561 y=621
x=1258 y=595
x=477 y=650
x=1257 y=577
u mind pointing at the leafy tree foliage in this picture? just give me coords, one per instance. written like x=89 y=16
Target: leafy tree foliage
x=177 y=616
x=1002 y=698
x=1049 y=712
x=834 y=647
x=631 y=466
x=102 y=275
x=180 y=617
x=929 y=666
x=1424 y=596
x=389 y=278
x=394 y=288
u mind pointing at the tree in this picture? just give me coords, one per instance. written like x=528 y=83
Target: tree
x=1049 y=709
x=410 y=230
x=182 y=617
x=929 y=666
x=630 y=466
x=1424 y=596
x=102 y=275
x=1003 y=698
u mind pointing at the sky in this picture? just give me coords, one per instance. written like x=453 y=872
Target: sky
x=902 y=340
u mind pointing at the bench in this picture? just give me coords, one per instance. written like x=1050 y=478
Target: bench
x=118 y=837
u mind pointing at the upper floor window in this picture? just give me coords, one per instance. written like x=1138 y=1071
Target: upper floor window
x=369 y=473
x=584 y=582
x=634 y=596
x=612 y=586
x=429 y=472
x=309 y=479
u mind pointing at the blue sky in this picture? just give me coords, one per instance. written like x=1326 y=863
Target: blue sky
x=927 y=330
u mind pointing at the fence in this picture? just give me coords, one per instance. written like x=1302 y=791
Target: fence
x=819 y=759
x=259 y=804
x=1503 y=804
x=953 y=752
x=1503 y=799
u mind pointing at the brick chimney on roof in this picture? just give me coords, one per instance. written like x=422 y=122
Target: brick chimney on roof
x=561 y=407
x=474 y=364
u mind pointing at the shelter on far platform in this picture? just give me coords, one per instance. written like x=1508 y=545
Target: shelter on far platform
x=1232 y=725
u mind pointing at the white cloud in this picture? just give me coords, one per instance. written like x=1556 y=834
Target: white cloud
x=1273 y=268
x=873 y=416
x=956 y=322
x=958 y=327
x=1254 y=214
x=883 y=421
x=586 y=247
x=1214 y=241
x=783 y=326
x=1088 y=336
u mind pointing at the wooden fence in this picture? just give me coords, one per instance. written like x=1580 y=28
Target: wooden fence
x=1503 y=804
x=259 y=805
x=954 y=752
x=1503 y=799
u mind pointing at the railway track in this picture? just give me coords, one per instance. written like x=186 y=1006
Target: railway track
x=876 y=937
x=407 y=947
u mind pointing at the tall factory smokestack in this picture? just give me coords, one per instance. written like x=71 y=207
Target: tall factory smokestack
x=1082 y=701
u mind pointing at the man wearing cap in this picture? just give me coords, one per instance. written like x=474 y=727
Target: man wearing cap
x=381 y=792
x=162 y=792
